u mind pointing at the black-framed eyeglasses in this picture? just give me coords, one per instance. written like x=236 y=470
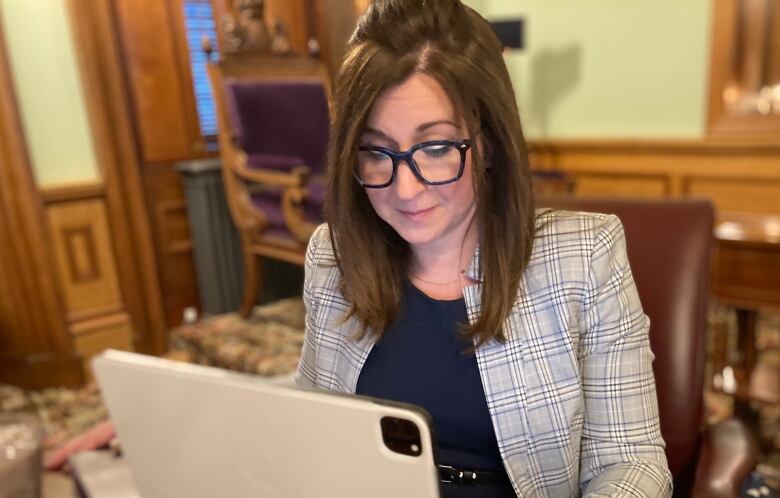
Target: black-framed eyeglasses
x=433 y=163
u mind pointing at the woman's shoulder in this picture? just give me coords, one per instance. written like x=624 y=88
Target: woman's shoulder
x=558 y=224
x=560 y=232
x=320 y=251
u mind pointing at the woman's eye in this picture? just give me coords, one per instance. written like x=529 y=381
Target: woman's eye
x=437 y=150
x=372 y=156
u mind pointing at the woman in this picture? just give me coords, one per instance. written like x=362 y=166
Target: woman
x=436 y=282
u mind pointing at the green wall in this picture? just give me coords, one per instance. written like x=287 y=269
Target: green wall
x=478 y=5
x=49 y=91
x=610 y=68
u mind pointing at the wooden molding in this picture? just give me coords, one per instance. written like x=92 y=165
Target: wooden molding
x=73 y=192
x=737 y=175
x=759 y=192
x=100 y=59
x=93 y=336
x=621 y=183
x=172 y=214
x=81 y=315
x=81 y=254
x=655 y=147
x=173 y=246
x=30 y=307
x=85 y=254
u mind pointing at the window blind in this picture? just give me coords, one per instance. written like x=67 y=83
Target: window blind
x=199 y=22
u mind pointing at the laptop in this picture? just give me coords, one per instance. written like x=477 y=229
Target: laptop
x=200 y=432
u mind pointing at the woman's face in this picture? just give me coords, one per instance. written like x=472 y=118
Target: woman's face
x=428 y=217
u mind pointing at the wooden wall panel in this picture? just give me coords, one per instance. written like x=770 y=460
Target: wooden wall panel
x=156 y=63
x=165 y=118
x=336 y=20
x=85 y=257
x=95 y=307
x=760 y=195
x=31 y=320
x=165 y=197
x=91 y=337
x=110 y=110
x=73 y=259
x=741 y=176
x=621 y=185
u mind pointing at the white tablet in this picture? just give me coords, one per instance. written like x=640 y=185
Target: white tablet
x=199 y=432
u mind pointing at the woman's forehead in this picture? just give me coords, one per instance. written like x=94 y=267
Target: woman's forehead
x=417 y=103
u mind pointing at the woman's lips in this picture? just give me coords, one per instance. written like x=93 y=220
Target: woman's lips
x=417 y=215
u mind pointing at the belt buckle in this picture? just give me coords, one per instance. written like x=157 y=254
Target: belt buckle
x=457 y=476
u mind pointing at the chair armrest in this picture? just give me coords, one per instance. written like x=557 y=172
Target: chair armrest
x=297 y=178
x=728 y=454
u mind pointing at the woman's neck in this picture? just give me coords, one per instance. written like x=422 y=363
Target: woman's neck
x=440 y=272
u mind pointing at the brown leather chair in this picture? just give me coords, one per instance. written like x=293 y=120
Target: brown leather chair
x=669 y=244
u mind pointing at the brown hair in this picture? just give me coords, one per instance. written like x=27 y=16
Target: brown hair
x=453 y=44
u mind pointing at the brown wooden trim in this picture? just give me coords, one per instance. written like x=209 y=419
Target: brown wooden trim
x=31 y=308
x=100 y=58
x=747 y=180
x=88 y=314
x=697 y=147
x=78 y=274
x=164 y=210
x=88 y=326
x=74 y=192
x=617 y=176
x=179 y=247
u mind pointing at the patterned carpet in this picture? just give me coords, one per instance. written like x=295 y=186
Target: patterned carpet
x=764 y=383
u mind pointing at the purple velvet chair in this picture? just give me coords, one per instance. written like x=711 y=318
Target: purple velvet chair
x=273 y=133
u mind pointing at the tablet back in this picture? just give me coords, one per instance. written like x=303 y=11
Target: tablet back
x=200 y=432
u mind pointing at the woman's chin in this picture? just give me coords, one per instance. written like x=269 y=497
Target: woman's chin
x=416 y=235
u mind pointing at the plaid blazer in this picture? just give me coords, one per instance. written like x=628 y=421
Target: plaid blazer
x=570 y=392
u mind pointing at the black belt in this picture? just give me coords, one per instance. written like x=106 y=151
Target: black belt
x=451 y=475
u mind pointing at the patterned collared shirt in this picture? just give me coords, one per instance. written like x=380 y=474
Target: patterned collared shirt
x=570 y=392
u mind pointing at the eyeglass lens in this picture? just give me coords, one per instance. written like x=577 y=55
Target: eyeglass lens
x=435 y=163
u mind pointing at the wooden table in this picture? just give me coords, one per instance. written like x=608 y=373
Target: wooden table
x=746 y=275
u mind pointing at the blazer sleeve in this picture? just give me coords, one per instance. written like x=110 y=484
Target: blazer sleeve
x=306 y=375
x=622 y=451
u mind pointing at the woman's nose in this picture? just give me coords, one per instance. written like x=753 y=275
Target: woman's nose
x=406 y=183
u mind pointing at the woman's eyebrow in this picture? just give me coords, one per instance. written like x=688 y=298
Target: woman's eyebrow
x=374 y=131
x=423 y=127
x=431 y=124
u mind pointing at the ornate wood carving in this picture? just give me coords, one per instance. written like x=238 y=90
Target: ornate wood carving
x=245 y=31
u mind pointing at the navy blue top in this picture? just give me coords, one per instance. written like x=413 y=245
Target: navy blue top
x=421 y=359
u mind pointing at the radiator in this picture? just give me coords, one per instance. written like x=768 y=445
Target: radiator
x=217 y=248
